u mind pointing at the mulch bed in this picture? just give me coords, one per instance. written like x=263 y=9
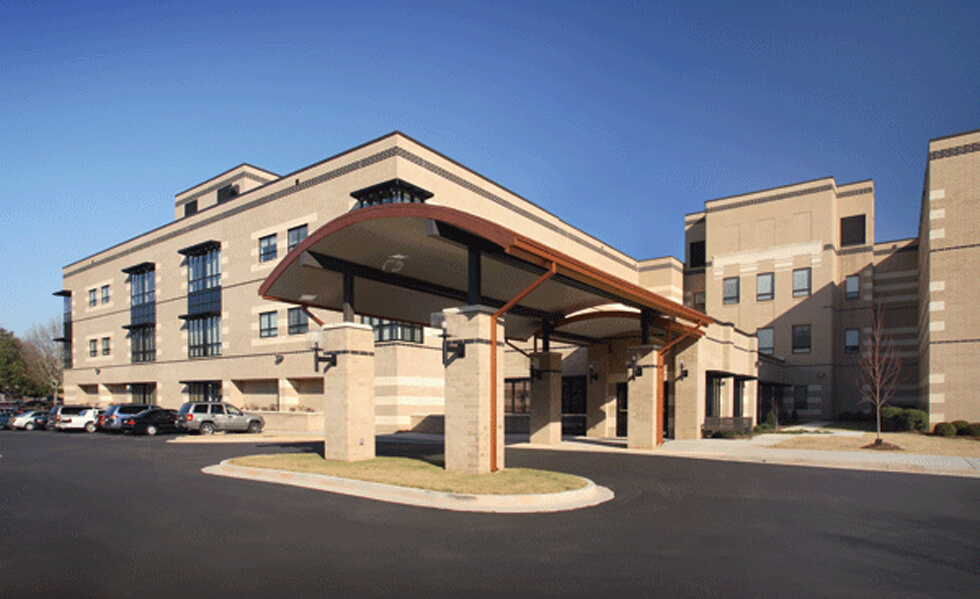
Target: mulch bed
x=882 y=446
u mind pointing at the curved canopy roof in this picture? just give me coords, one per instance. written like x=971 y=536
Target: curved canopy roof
x=408 y=261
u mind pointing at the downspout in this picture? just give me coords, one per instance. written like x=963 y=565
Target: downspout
x=493 y=359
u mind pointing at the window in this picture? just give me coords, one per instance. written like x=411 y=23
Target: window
x=267 y=248
x=297 y=321
x=294 y=236
x=226 y=193
x=142 y=343
x=764 y=286
x=801 y=339
x=801 y=395
x=852 y=287
x=852 y=230
x=765 y=338
x=801 y=282
x=738 y=395
x=205 y=391
x=142 y=288
x=142 y=393
x=852 y=341
x=696 y=255
x=93 y=348
x=517 y=396
x=390 y=330
x=93 y=297
x=730 y=290
x=699 y=301
x=269 y=324
x=190 y=208
x=204 y=270
x=105 y=346
x=105 y=294
x=204 y=336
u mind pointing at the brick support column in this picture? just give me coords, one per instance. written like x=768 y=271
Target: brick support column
x=644 y=416
x=348 y=390
x=468 y=415
x=546 y=398
x=598 y=424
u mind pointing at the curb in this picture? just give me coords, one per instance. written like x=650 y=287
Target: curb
x=588 y=496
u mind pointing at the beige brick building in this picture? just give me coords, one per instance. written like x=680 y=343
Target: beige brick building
x=174 y=314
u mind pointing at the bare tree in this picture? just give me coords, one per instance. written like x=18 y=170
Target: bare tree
x=880 y=367
x=43 y=355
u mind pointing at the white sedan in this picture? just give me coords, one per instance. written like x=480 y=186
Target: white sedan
x=25 y=421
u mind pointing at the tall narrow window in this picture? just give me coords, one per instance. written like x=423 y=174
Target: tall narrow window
x=699 y=301
x=696 y=255
x=852 y=287
x=765 y=338
x=105 y=346
x=801 y=339
x=764 y=286
x=142 y=312
x=93 y=298
x=204 y=337
x=269 y=324
x=142 y=342
x=93 y=348
x=203 y=299
x=267 y=248
x=801 y=282
x=801 y=397
x=730 y=290
x=294 y=236
x=105 y=294
x=298 y=323
x=852 y=341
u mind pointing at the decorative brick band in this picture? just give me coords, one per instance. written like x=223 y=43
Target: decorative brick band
x=954 y=341
x=477 y=342
x=855 y=192
x=955 y=151
x=348 y=352
x=955 y=247
x=772 y=198
x=676 y=267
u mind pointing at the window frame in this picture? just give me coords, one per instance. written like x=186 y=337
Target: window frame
x=93 y=348
x=856 y=347
x=204 y=336
x=772 y=341
x=700 y=301
x=142 y=344
x=106 y=346
x=298 y=325
x=856 y=294
x=801 y=397
x=268 y=248
x=759 y=295
x=93 y=297
x=295 y=236
x=800 y=349
x=268 y=324
x=104 y=293
x=727 y=299
x=799 y=291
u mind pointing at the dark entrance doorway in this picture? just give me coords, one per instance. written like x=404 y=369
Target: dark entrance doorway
x=573 y=399
x=622 y=409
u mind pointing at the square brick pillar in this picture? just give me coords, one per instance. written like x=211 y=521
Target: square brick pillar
x=348 y=392
x=468 y=415
x=546 y=398
x=644 y=418
x=598 y=423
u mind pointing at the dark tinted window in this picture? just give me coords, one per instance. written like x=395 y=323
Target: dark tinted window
x=852 y=230
x=72 y=410
x=190 y=208
x=217 y=409
x=696 y=259
x=227 y=192
x=201 y=409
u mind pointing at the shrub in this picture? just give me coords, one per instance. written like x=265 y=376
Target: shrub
x=944 y=429
x=960 y=426
x=973 y=429
x=761 y=429
x=898 y=419
x=917 y=420
x=771 y=419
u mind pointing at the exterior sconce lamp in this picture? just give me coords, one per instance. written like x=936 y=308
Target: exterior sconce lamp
x=279 y=359
x=320 y=356
x=683 y=372
x=98 y=371
x=593 y=375
x=451 y=349
x=636 y=371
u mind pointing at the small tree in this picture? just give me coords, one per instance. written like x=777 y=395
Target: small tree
x=43 y=355
x=880 y=367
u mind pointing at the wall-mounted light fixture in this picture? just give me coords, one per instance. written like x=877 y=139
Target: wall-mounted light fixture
x=682 y=372
x=98 y=371
x=451 y=349
x=593 y=375
x=279 y=359
x=632 y=364
x=321 y=356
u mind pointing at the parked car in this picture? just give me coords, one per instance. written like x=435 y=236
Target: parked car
x=116 y=414
x=25 y=420
x=208 y=417
x=150 y=422
x=40 y=420
x=6 y=415
x=77 y=418
x=53 y=417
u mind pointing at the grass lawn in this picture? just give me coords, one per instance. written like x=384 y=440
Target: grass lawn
x=420 y=474
x=916 y=443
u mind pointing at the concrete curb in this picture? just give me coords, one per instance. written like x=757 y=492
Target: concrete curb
x=588 y=496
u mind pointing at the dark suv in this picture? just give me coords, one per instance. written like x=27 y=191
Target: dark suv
x=207 y=417
x=115 y=415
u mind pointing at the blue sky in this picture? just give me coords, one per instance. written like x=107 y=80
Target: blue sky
x=617 y=117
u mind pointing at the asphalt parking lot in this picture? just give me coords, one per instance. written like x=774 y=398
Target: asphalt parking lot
x=117 y=516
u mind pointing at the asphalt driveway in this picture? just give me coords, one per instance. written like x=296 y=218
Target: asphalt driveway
x=115 y=516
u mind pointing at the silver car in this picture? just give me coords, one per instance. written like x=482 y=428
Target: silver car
x=208 y=417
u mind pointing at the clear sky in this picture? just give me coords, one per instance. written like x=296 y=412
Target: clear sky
x=618 y=117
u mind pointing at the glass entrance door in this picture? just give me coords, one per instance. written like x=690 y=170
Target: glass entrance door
x=622 y=409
